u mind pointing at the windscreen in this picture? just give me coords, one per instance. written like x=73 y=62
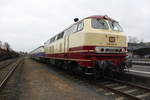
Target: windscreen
x=115 y=26
x=99 y=24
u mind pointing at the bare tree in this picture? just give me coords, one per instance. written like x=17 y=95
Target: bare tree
x=7 y=46
x=133 y=39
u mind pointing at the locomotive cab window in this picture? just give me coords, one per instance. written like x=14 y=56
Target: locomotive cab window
x=115 y=26
x=99 y=24
x=74 y=28
x=80 y=26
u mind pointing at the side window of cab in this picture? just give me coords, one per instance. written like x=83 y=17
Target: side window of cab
x=80 y=26
x=74 y=28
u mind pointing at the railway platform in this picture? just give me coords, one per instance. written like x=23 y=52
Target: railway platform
x=141 y=70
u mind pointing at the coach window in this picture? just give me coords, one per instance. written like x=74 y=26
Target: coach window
x=60 y=35
x=99 y=24
x=53 y=39
x=80 y=26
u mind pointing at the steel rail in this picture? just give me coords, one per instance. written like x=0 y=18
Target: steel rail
x=14 y=66
x=129 y=84
x=122 y=92
x=6 y=65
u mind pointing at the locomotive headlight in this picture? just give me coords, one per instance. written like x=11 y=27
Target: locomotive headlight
x=124 y=50
x=99 y=50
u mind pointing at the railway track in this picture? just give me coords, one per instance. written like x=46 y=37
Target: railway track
x=7 y=71
x=6 y=63
x=126 y=89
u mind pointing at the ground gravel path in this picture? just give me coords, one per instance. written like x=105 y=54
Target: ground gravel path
x=40 y=82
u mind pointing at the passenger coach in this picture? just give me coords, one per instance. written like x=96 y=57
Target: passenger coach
x=92 y=44
x=38 y=53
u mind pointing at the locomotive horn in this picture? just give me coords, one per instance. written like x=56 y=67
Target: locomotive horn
x=76 y=19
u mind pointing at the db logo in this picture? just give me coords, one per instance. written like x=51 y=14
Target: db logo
x=111 y=39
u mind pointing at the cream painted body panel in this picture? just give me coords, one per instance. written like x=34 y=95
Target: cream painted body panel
x=55 y=47
x=100 y=37
x=87 y=37
x=77 y=39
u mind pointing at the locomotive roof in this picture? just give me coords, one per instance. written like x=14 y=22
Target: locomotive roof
x=101 y=17
x=94 y=16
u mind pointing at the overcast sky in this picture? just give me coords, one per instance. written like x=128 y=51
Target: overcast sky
x=27 y=24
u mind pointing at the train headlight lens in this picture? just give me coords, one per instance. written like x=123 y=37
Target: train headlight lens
x=99 y=50
x=124 y=50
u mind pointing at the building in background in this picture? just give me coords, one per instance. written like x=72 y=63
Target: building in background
x=139 y=50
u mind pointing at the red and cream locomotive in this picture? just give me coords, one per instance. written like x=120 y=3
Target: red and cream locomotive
x=93 y=44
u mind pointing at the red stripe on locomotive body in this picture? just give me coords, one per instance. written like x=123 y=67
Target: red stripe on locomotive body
x=87 y=59
x=82 y=48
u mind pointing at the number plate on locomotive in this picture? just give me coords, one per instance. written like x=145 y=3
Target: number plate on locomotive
x=111 y=39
